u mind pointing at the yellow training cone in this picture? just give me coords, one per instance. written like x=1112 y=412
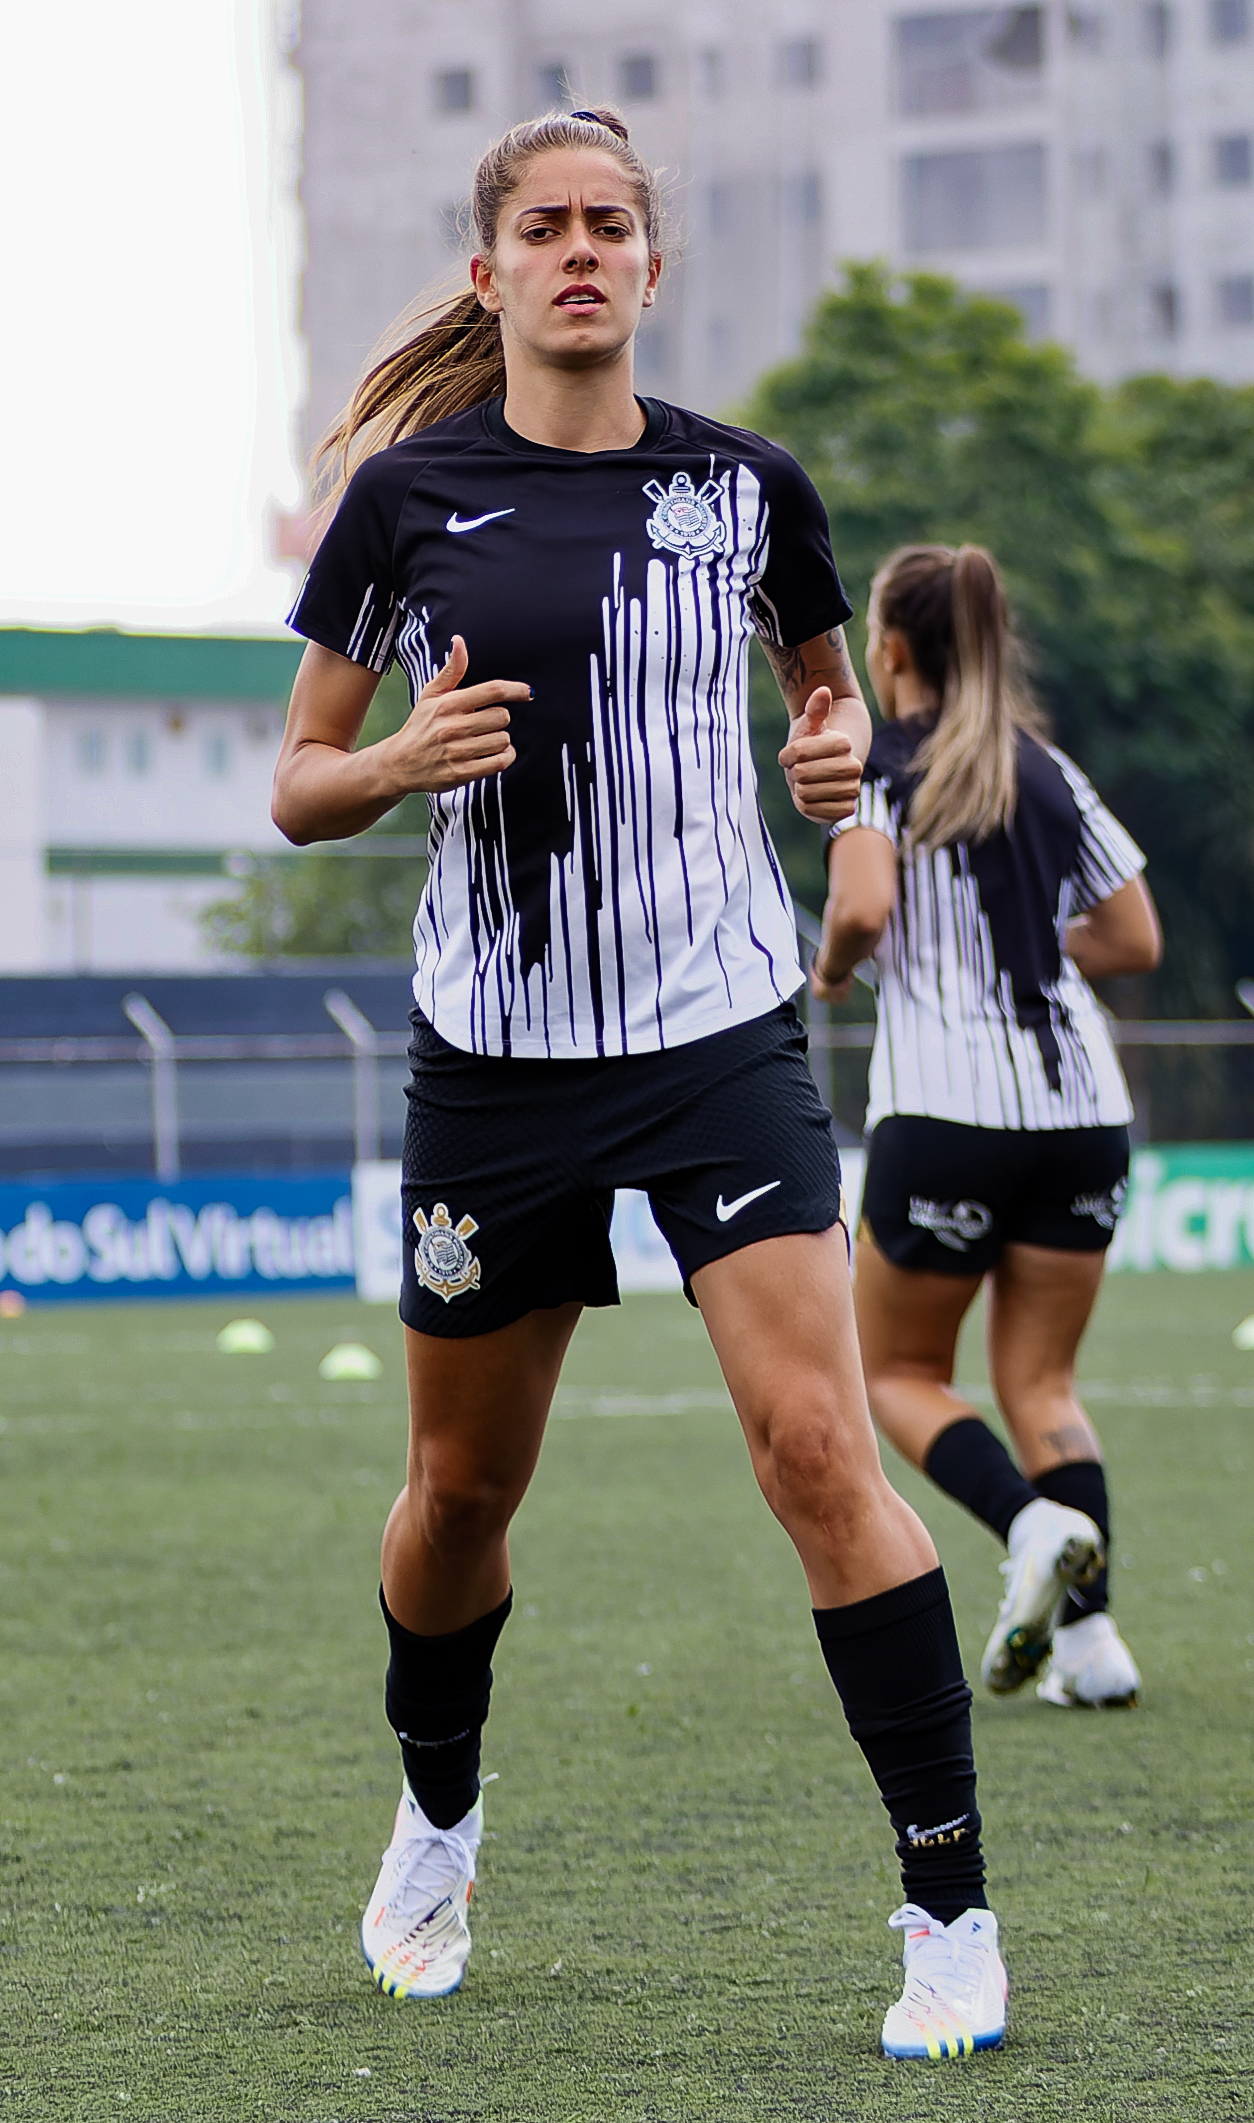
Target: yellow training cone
x=350 y=1360
x=245 y=1338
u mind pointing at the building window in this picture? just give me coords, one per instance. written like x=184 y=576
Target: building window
x=90 y=751
x=217 y=755
x=1162 y=168
x=138 y=752
x=1234 y=163
x=802 y=200
x=712 y=72
x=800 y=61
x=1158 y=29
x=555 y=89
x=1230 y=21
x=1089 y=172
x=1087 y=33
x=981 y=60
x=455 y=90
x=1236 y=299
x=638 y=77
x=1165 y=310
x=973 y=199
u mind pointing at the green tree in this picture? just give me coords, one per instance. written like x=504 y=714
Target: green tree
x=1124 y=522
x=345 y=899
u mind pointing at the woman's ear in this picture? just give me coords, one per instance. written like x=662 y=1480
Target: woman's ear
x=483 y=284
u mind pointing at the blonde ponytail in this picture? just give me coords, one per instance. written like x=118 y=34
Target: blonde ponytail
x=952 y=609
x=456 y=359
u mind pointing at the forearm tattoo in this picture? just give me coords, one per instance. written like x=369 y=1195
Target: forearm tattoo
x=826 y=664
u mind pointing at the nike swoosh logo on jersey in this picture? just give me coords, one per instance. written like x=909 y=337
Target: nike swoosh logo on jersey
x=724 y=1211
x=474 y=523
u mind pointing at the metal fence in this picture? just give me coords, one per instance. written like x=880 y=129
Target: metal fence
x=168 y=1103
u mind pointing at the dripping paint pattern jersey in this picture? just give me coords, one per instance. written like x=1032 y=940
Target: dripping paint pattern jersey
x=982 y=1017
x=615 y=890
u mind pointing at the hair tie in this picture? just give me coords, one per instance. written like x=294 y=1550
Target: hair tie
x=593 y=117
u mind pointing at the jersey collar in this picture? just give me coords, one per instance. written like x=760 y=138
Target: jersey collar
x=501 y=431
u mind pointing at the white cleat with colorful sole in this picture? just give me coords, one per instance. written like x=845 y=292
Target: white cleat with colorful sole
x=954 y=2001
x=1051 y=1549
x=1090 y=1668
x=415 y=1934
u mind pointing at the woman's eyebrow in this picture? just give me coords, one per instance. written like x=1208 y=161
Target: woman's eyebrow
x=565 y=208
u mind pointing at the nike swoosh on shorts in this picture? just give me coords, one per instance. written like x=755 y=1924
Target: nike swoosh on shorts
x=724 y=1211
x=473 y=523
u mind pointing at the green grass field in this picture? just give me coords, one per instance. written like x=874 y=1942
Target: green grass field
x=682 y=1901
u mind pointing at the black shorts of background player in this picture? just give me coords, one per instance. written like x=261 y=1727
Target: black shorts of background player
x=570 y=576
x=987 y=879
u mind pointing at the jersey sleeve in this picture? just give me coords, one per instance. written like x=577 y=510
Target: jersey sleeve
x=1107 y=857
x=882 y=797
x=798 y=593
x=349 y=599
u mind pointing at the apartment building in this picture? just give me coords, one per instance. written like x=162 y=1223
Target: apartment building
x=1094 y=162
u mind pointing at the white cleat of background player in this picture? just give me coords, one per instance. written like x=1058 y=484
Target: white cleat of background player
x=1051 y=1549
x=415 y=1934
x=1090 y=1668
x=954 y=2001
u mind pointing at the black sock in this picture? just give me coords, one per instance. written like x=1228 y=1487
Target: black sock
x=1081 y=1485
x=972 y=1465
x=437 y=1700
x=898 y=1672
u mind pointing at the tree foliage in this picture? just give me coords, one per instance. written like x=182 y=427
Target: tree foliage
x=1124 y=522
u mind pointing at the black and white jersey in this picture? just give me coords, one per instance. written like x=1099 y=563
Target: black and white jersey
x=983 y=1019
x=615 y=890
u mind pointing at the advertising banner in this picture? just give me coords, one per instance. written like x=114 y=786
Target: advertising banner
x=1190 y=1206
x=78 y=1241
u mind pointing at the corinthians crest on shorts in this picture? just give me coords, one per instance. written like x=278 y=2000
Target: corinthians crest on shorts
x=443 y=1260
x=683 y=520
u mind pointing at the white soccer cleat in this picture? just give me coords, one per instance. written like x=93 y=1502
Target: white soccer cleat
x=1091 y=1668
x=1051 y=1549
x=954 y=2001
x=414 y=1934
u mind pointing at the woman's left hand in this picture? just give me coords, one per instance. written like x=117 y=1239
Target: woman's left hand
x=822 y=769
x=829 y=991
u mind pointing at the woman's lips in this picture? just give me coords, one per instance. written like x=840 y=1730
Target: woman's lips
x=580 y=297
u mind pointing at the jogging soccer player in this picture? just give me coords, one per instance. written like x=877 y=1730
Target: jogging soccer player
x=569 y=576
x=987 y=879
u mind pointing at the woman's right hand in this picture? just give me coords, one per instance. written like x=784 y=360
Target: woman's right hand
x=453 y=735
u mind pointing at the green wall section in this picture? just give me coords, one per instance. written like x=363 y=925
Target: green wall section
x=102 y=663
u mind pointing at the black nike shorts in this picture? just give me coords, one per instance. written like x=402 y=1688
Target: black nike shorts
x=946 y=1198
x=509 y=1167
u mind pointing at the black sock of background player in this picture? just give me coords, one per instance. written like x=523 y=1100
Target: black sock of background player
x=437 y=1701
x=1081 y=1484
x=969 y=1463
x=898 y=1672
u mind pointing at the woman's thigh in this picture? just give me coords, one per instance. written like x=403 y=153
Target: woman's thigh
x=478 y=1404
x=909 y=1320
x=1041 y=1301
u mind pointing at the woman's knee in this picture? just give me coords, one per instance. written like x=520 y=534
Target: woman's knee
x=458 y=1507
x=812 y=1465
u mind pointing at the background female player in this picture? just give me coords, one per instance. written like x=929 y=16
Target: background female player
x=987 y=879
x=569 y=576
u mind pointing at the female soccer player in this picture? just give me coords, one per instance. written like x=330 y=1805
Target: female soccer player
x=569 y=576
x=987 y=880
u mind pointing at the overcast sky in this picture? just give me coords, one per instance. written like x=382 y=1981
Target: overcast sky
x=148 y=256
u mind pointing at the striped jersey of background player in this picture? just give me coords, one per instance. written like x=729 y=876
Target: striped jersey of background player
x=606 y=960
x=986 y=876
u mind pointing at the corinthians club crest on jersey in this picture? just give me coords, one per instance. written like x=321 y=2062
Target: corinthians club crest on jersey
x=683 y=520
x=444 y=1261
